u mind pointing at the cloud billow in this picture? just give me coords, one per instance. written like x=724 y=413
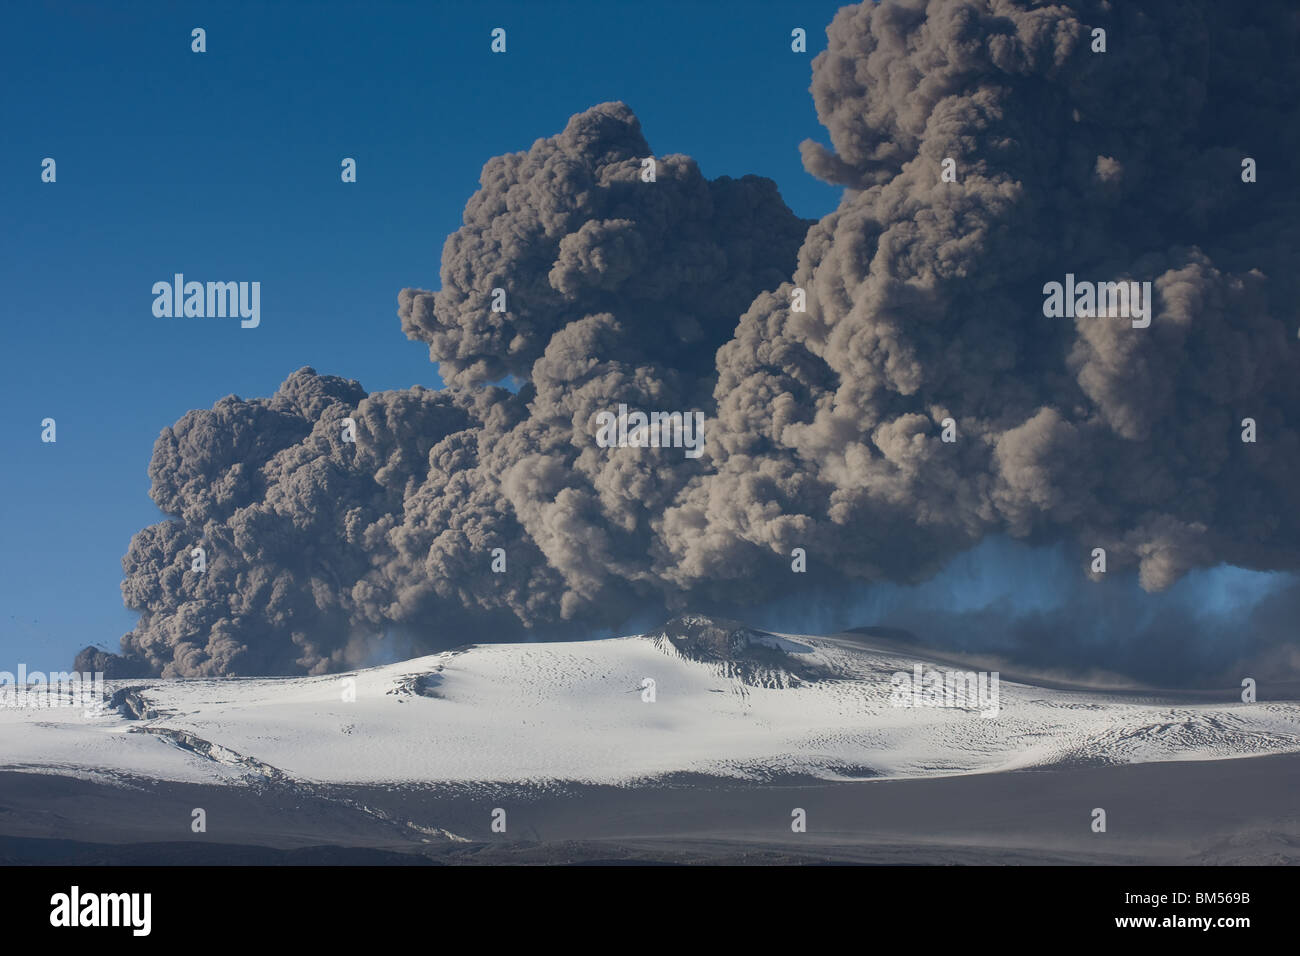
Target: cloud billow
x=924 y=302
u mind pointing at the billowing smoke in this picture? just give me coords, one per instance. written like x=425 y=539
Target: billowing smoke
x=615 y=290
x=923 y=302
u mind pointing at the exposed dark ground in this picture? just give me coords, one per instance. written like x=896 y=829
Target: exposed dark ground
x=1243 y=811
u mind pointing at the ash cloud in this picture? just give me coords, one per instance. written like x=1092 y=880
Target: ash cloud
x=924 y=301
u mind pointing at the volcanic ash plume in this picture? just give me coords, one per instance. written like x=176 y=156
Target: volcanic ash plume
x=617 y=291
x=923 y=301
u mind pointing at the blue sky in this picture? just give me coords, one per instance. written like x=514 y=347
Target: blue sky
x=225 y=166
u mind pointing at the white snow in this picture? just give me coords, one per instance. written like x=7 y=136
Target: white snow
x=574 y=712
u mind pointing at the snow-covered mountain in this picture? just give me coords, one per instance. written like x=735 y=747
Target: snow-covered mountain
x=726 y=700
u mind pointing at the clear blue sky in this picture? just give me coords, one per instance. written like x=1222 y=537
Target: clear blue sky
x=225 y=166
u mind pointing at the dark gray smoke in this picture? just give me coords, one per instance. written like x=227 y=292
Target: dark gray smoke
x=924 y=301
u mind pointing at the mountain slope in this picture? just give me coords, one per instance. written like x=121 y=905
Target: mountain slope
x=727 y=701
